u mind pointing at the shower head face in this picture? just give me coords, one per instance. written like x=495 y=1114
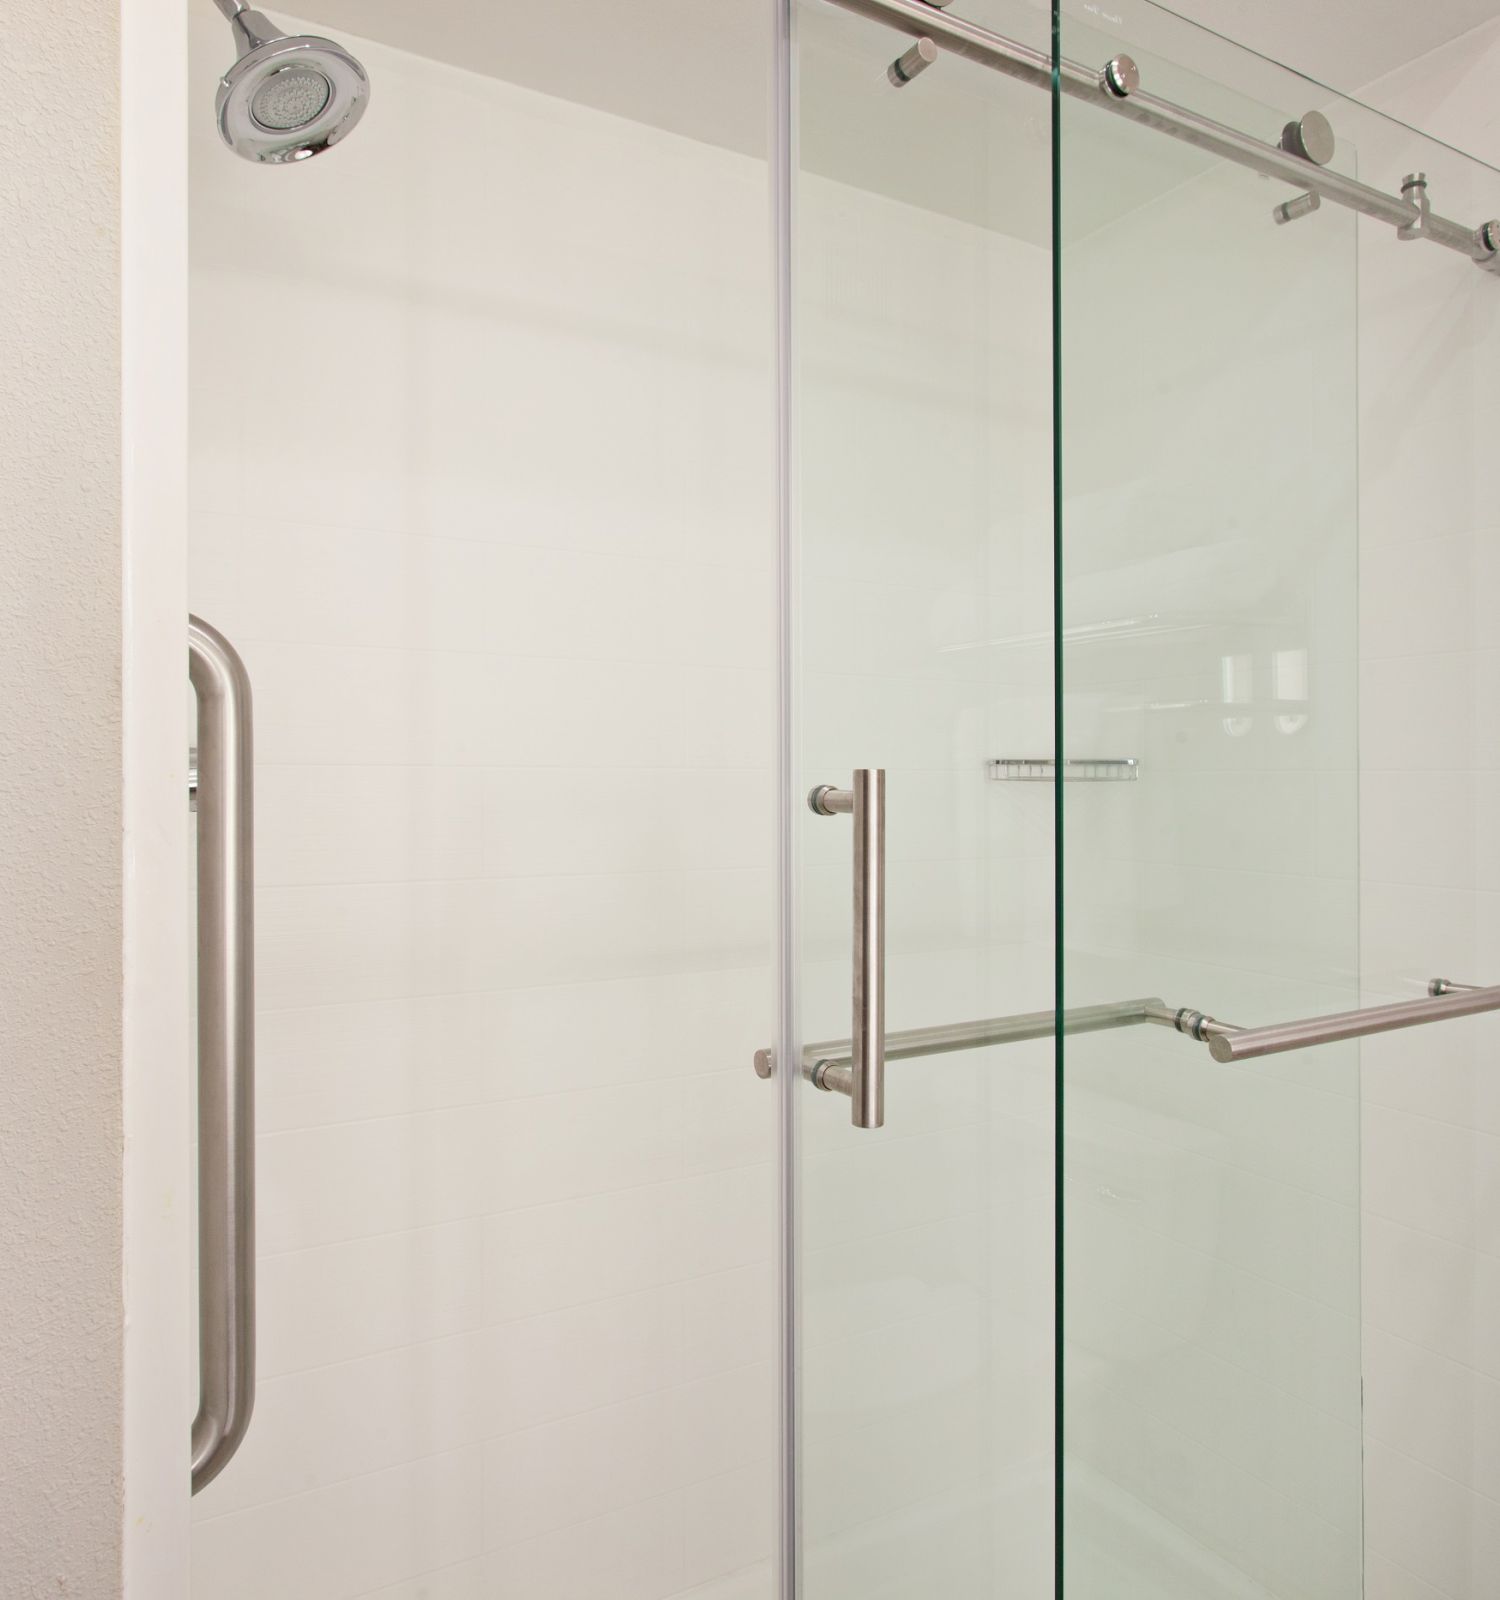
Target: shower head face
x=290 y=97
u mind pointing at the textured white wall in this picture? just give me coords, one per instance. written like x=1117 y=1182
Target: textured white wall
x=60 y=961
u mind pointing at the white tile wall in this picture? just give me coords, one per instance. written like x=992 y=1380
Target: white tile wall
x=486 y=505
x=1430 y=687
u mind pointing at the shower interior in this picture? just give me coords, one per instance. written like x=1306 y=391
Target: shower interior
x=499 y=553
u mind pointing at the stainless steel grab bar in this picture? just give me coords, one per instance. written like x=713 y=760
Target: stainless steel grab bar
x=865 y=803
x=226 y=1052
x=828 y=1065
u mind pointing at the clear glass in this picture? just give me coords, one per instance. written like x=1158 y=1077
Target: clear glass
x=923 y=568
x=1208 y=494
x=1272 y=499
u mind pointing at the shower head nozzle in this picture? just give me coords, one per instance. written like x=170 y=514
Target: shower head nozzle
x=288 y=96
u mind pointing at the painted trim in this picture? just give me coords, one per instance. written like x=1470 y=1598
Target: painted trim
x=157 y=1174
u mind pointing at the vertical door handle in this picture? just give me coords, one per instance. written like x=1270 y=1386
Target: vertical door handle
x=865 y=803
x=226 y=1052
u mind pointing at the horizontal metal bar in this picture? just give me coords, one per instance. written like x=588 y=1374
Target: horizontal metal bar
x=1019 y=61
x=828 y=1065
x=1246 y=1044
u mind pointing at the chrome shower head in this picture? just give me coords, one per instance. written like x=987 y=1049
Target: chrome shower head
x=288 y=96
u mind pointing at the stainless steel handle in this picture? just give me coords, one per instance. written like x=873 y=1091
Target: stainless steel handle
x=226 y=1052
x=865 y=803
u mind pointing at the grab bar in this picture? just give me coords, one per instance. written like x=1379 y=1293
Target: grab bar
x=828 y=1065
x=226 y=1052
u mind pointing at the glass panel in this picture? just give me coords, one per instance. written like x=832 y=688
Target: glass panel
x=482 y=490
x=923 y=562
x=1208 y=479
x=1430 y=831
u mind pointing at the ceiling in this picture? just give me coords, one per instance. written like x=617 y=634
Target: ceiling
x=701 y=67
x=697 y=66
x=1346 y=44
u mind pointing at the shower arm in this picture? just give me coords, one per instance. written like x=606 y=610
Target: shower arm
x=251 y=28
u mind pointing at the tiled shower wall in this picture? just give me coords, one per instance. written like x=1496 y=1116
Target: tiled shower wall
x=1430 y=850
x=482 y=491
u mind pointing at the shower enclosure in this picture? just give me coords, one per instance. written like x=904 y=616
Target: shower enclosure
x=837 y=826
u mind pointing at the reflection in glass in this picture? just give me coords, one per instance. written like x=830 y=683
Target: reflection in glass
x=1237 y=688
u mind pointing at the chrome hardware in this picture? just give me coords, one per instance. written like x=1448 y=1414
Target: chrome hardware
x=1414 y=192
x=1043 y=769
x=1191 y=1023
x=765 y=1063
x=226 y=1052
x=1121 y=77
x=916 y=60
x=832 y=1077
x=1487 y=245
x=193 y=778
x=1311 y=138
x=1453 y=1000
x=1197 y=1025
x=865 y=803
x=1302 y=205
x=828 y=1066
x=1031 y=65
x=288 y=96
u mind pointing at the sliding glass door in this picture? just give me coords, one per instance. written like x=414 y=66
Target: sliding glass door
x=1079 y=1308
x=1143 y=718
x=923 y=564
x=922 y=560
x=1208 y=471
